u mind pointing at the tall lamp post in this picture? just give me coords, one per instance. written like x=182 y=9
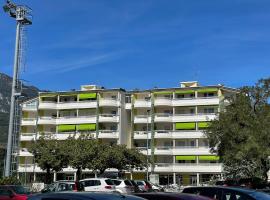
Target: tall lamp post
x=22 y=15
x=147 y=146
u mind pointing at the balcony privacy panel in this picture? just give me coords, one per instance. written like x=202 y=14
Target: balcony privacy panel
x=185 y=157
x=207 y=90
x=185 y=126
x=185 y=92
x=66 y=127
x=203 y=125
x=87 y=96
x=86 y=127
x=210 y=158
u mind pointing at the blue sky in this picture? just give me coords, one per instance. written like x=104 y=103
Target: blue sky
x=141 y=43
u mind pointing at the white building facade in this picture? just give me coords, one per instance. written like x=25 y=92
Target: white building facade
x=165 y=124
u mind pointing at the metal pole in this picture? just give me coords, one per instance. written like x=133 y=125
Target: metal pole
x=147 y=173
x=12 y=103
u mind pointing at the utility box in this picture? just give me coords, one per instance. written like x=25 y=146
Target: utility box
x=154 y=178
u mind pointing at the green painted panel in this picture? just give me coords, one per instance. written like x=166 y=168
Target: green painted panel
x=66 y=127
x=208 y=157
x=86 y=127
x=208 y=90
x=88 y=96
x=202 y=125
x=184 y=92
x=185 y=126
x=185 y=157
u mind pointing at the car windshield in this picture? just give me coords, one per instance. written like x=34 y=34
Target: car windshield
x=20 y=190
x=127 y=182
x=140 y=183
x=109 y=182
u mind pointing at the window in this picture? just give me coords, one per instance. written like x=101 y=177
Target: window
x=5 y=192
x=180 y=96
x=209 y=110
x=113 y=97
x=192 y=95
x=109 y=182
x=113 y=112
x=147 y=98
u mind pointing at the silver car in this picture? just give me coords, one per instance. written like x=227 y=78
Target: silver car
x=123 y=186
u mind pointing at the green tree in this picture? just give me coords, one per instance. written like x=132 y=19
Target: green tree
x=80 y=151
x=116 y=156
x=49 y=154
x=241 y=134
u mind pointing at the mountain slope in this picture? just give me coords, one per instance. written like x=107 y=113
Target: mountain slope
x=5 y=93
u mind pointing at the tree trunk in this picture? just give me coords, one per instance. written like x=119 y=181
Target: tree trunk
x=78 y=174
x=47 y=177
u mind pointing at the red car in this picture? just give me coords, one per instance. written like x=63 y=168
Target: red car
x=14 y=192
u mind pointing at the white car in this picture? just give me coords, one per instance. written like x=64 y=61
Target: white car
x=98 y=185
x=123 y=186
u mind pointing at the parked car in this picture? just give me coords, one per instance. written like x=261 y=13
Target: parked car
x=145 y=186
x=123 y=186
x=170 y=196
x=82 y=196
x=60 y=186
x=136 y=187
x=14 y=192
x=157 y=188
x=97 y=185
x=227 y=193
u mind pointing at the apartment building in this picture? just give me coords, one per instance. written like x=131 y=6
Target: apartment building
x=165 y=124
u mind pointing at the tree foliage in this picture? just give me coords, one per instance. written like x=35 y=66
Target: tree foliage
x=84 y=153
x=49 y=154
x=241 y=134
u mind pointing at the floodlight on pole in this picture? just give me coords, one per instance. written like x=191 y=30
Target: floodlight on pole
x=23 y=17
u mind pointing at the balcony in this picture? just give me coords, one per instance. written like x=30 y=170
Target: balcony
x=77 y=104
x=142 y=135
x=28 y=168
x=24 y=152
x=76 y=119
x=128 y=106
x=143 y=150
x=163 y=134
x=185 y=134
x=163 y=117
x=109 y=102
x=108 y=134
x=26 y=107
x=142 y=103
x=193 y=117
x=188 y=167
x=66 y=135
x=198 y=167
x=191 y=150
x=108 y=118
x=142 y=119
x=163 y=167
x=28 y=121
x=27 y=136
x=163 y=150
x=163 y=101
x=68 y=105
x=195 y=101
x=47 y=120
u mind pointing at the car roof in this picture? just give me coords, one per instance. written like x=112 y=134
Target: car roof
x=86 y=179
x=84 y=195
x=238 y=189
x=171 y=195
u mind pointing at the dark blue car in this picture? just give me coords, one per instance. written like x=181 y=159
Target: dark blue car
x=227 y=193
